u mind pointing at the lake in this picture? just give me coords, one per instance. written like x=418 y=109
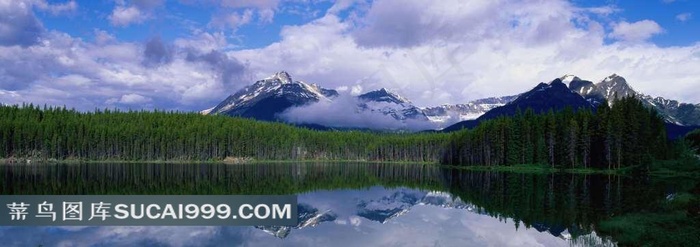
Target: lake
x=371 y=204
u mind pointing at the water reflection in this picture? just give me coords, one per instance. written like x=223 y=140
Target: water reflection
x=375 y=216
x=347 y=204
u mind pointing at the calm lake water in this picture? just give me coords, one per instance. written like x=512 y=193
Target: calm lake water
x=346 y=204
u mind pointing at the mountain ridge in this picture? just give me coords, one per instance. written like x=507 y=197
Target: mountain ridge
x=266 y=99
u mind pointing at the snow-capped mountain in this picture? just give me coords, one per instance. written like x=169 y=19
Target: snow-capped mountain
x=391 y=104
x=460 y=112
x=616 y=86
x=267 y=98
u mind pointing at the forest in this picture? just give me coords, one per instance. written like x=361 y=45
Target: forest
x=45 y=133
x=693 y=140
x=626 y=134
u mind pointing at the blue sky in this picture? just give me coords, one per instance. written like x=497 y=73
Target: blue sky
x=190 y=54
x=177 y=19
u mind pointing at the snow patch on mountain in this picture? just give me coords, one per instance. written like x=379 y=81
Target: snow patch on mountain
x=206 y=111
x=567 y=79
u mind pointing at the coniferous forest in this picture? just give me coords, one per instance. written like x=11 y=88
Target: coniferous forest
x=64 y=134
x=626 y=134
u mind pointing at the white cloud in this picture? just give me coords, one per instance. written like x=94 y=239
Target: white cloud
x=70 y=71
x=236 y=13
x=459 y=52
x=59 y=8
x=124 y=16
x=133 y=98
x=18 y=24
x=683 y=17
x=635 y=31
x=356 y=90
x=135 y=12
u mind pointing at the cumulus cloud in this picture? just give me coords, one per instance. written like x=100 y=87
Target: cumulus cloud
x=454 y=52
x=230 y=69
x=157 y=53
x=136 y=11
x=85 y=75
x=450 y=52
x=18 y=24
x=635 y=31
x=123 y=16
x=396 y=23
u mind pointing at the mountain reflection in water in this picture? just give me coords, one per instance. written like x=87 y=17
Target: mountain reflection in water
x=346 y=204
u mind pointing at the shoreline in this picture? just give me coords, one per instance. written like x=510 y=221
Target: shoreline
x=245 y=162
x=526 y=168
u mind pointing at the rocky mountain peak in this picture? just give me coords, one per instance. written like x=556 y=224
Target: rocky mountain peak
x=282 y=76
x=567 y=79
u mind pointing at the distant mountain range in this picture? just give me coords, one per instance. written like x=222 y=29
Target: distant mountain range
x=270 y=98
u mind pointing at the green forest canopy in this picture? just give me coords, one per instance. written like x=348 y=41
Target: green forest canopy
x=59 y=133
x=626 y=134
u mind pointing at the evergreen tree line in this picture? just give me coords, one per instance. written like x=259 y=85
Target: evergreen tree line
x=60 y=133
x=626 y=134
x=693 y=139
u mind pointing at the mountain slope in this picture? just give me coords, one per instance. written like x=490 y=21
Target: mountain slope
x=544 y=97
x=267 y=98
x=391 y=104
x=615 y=86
